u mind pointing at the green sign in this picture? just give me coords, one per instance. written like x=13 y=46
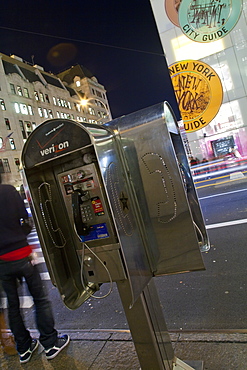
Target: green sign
x=208 y=20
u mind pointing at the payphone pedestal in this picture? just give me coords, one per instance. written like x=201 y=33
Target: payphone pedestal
x=149 y=331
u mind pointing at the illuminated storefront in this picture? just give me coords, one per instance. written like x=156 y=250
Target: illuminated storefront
x=228 y=57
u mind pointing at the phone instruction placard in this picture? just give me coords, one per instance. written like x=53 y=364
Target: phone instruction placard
x=98 y=231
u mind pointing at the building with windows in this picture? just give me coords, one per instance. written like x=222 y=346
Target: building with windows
x=228 y=57
x=29 y=96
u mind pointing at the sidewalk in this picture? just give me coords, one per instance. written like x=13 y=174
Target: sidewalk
x=114 y=349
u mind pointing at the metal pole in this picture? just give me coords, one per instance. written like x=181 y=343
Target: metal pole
x=148 y=327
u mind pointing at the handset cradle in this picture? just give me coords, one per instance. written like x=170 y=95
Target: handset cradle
x=82 y=228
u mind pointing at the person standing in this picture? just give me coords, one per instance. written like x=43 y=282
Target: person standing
x=15 y=264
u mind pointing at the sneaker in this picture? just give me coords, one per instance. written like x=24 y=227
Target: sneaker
x=60 y=344
x=25 y=357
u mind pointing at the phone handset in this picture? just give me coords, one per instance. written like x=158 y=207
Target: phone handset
x=82 y=228
x=49 y=215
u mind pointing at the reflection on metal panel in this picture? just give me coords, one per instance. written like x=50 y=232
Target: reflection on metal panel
x=148 y=136
x=125 y=210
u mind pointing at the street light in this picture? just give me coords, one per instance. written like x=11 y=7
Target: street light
x=98 y=103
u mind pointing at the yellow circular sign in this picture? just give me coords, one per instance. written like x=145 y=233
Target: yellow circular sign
x=199 y=92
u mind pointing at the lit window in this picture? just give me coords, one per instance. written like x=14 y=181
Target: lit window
x=1 y=142
x=19 y=90
x=28 y=127
x=25 y=92
x=54 y=100
x=59 y=102
x=17 y=108
x=40 y=111
x=42 y=98
x=12 y=144
x=78 y=107
x=12 y=88
x=36 y=95
x=2 y=104
x=91 y=111
x=78 y=83
x=23 y=109
x=7 y=123
x=30 y=110
x=45 y=113
x=47 y=98
x=34 y=125
x=69 y=105
x=50 y=113
x=58 y=114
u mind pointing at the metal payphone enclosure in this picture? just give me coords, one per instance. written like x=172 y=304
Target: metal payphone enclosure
x=152 y=148
x=133 y=178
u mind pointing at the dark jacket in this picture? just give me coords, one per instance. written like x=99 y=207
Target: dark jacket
x=12 y=209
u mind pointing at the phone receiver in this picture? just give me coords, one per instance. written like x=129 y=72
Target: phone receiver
x=81 y=227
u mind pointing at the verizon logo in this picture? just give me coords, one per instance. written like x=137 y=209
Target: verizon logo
x=55 y=148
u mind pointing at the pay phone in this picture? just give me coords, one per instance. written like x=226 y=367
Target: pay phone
x=71 y=211
x=113 y=202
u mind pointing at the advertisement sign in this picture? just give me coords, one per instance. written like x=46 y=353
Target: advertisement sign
x=208 y=20
x=199 y=92
x=171 y=8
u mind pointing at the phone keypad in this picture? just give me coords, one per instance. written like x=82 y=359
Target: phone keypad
x=86 y=212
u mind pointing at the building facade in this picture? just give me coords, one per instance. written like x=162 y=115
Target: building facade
x=29 y=96
x=228 y=57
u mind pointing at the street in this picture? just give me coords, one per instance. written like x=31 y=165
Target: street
x=211 y=299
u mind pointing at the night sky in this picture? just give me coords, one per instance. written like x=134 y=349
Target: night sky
x=116 y=40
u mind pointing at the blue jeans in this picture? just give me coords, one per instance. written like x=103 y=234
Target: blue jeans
x=9 y=272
